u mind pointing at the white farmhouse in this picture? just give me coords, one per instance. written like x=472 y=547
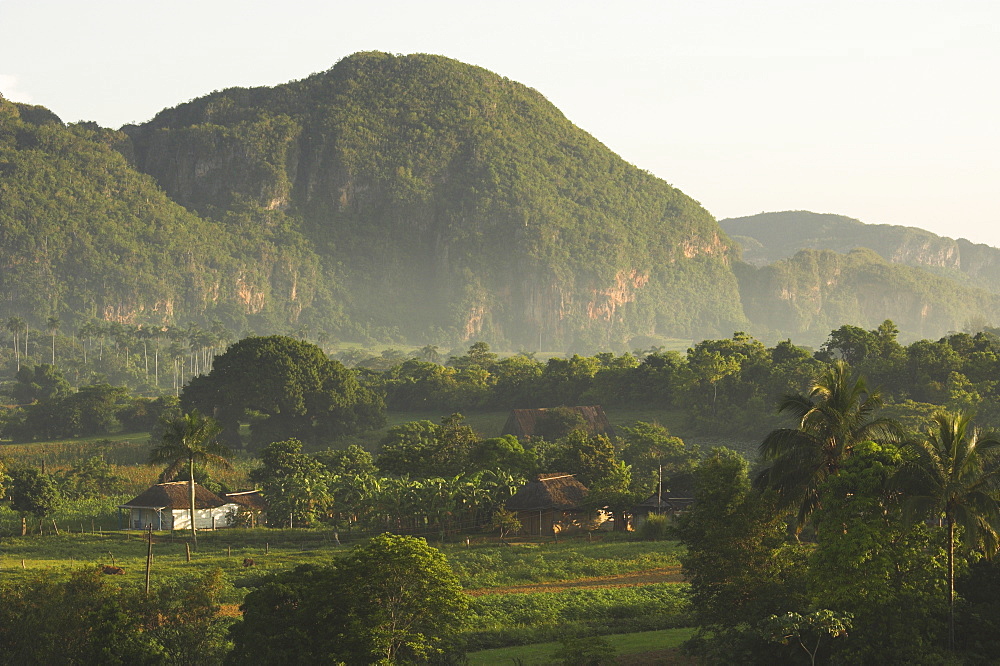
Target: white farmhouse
x=167 y=506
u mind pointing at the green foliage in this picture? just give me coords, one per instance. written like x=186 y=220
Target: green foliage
x=92 y=477
x=869 y=561
x=802 y=628
x=651 y=449
x=93 y=410
x=656 y=527
x=737 y=562
x=351 y=461
x=392 y=599
x=32 y=492
x=41 y=383
x=838 y=414
x=296 y=486
x=88 y=620
x=423 y=449
x=589 y=457
x=594 y=651
x=292 y=388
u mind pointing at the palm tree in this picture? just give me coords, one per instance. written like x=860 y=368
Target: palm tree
x=838 y=413
x=15 y=325
x=189 y=439
x=953 y=473
x=52 y=324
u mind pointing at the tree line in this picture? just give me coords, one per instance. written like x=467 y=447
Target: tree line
x=852 y=539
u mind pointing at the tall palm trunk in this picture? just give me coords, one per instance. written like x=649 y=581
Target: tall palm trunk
x=194 y=531
x=951 y=582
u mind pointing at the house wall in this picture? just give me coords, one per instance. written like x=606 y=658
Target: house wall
x=550 y=521
x=139 y=519
x=202 y=517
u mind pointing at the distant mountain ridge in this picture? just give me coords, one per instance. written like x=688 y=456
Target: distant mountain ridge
x=417 y=199
x=769 y=237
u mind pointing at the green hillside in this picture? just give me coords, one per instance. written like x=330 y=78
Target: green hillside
x=418 y=200
x=770 y=237
x=815 y=291
x=447 y=202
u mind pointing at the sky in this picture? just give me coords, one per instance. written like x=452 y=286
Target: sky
x=886 y=111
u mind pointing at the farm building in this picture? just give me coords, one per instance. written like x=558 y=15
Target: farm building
x=527 y=423
x=167 y=506
x=251 y=506
x=550 y=504
x=668 y=506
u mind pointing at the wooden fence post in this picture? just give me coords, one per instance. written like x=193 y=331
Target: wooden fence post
x=187 y=549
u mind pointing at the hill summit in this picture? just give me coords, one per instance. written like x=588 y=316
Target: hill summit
x=442 y=200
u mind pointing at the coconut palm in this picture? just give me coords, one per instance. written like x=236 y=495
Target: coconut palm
x=837 y=414
x=186 y=440
x=953 y=473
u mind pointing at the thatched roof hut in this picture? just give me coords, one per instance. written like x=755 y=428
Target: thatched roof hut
x=524 y=423
x=549 y=491
x=175 y=495
x=167 y=506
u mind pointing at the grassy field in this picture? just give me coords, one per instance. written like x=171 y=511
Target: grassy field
x=521 y=594
x=624 y=644
x=527 y=594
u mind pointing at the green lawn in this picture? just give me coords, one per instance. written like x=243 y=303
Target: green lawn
x=542 y=653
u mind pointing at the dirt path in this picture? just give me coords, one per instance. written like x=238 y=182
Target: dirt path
x=636 y=579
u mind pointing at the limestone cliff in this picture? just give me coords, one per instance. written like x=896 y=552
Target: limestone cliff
x=443 y=200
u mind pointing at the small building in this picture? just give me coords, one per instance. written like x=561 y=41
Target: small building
x=167 y=506
x=252 y=506
x=550 y=504
x=668 y=506
x=525 y=423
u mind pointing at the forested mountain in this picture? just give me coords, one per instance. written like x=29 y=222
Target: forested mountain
x=417 y=199
x=446 y=201
x=818 y=290
x=84 y=235
x=770 y=237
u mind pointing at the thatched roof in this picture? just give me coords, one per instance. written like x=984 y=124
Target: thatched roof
x=548 y=491
x=524 y=422
x=175 y=495
x=250 y=499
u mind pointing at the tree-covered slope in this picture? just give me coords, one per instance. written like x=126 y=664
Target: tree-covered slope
x=445 y=201
x=84 y=235
x=770 y=237
x=817 y=290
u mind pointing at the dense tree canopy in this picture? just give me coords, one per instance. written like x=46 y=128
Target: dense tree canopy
x=287 y=388
x=392 y=600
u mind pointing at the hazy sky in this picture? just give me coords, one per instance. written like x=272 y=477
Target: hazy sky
x=887 y=111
